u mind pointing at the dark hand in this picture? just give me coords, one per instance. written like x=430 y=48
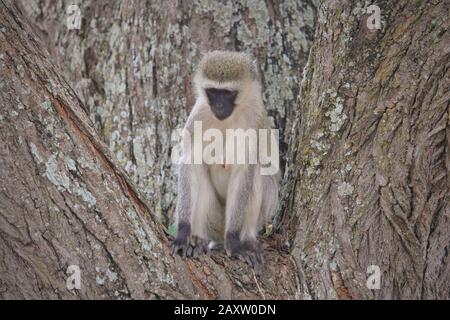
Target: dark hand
x=248 y=250
x=190 y=246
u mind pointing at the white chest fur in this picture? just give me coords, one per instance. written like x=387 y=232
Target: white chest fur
x=220 y=177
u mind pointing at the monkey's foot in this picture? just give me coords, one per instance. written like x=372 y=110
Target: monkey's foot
x=197 y=247
x=190 y=246
x=249 y=251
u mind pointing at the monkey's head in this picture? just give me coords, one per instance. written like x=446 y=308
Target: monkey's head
x=227 y=79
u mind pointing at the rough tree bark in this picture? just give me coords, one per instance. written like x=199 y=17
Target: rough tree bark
x=370 y=155
x=132 y=61
x=367 y=183
x=64 y=200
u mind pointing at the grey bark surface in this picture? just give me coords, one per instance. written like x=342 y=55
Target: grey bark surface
x=370 y=154
x=132 y=62
x=368 y=175
x=64 y=200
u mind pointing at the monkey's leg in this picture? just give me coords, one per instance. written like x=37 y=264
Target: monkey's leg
x=242 y=216
x=270 y=188
x=197 y=210
x=207 y=213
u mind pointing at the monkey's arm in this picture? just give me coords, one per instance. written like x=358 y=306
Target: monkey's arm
x=242 y=215
x=183 y=211
x=195 y=188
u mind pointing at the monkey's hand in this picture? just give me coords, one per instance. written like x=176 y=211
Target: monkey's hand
x=248 y=250
x=180 y=244
x=192 y=247
x=187 y=245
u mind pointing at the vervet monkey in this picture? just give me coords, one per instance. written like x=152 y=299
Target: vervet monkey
x=225 y=203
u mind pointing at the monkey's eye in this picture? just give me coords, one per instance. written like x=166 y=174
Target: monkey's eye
x=214 y=92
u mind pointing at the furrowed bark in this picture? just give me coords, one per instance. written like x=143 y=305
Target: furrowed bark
x=65 y=201
x=132 y=64
x=367 y=180
x=370 y=154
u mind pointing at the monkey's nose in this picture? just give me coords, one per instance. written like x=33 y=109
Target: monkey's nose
x=222 y=110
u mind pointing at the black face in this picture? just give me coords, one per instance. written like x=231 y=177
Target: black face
x=221 y=102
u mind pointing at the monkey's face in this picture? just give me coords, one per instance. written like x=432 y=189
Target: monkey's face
x=221 y=101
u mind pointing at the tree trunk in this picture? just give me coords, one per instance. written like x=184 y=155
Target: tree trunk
x=65 y=201
x=367 y=181
x=370 y=155
x=132 y=62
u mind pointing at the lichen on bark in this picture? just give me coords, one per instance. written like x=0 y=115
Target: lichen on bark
x=132 y=65
x=371 y=139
